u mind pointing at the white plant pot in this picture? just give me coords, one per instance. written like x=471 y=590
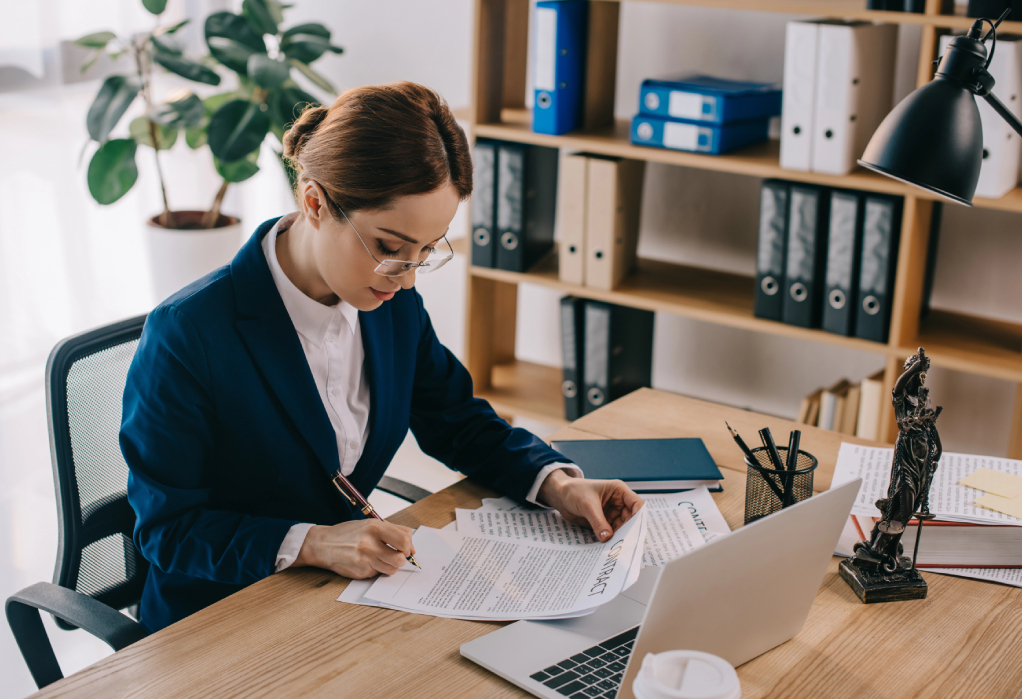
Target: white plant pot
x=177 y=257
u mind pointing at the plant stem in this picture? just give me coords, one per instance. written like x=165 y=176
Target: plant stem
x=144 y=68
x=209 y=221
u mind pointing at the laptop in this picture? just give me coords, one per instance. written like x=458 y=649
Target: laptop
x=738 y=596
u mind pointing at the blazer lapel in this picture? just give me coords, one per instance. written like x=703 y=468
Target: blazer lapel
x=271 y=339
x=378 y=345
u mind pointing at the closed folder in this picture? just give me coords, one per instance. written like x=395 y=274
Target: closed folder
x=526 y=204
x=801 y=40
x=806 y=255
x=572 y=334
x=707 y=98
x=879 y=257
x=773 y=241
x=561 y=28
x=698 y=136
x=1002 y=147
x=618 y=352
x=841 y=288
x=484 y=203
x=613 y=202
x=854 y=85
x=571 y=217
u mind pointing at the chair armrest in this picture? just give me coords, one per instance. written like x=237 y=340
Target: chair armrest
x=103 y=622
x=402 y=489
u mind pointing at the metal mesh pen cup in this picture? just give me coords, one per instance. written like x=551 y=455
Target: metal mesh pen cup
x=768 y=490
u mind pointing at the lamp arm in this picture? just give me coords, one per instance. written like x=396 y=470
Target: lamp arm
x=1004 y=112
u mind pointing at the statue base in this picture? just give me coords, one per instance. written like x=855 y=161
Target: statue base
x=869 y=587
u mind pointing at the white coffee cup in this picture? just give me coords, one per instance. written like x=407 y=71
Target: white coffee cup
x=686 y=674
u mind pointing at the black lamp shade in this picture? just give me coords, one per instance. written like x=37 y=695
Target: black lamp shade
x=933 y=139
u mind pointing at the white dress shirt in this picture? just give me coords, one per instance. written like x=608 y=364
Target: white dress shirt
x=331 y=337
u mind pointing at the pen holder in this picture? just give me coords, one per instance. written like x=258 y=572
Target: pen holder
x=768 y=490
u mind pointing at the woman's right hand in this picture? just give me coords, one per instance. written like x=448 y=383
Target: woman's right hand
x=357 y=549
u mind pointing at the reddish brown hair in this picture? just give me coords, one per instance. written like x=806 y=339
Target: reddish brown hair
x=380 y=142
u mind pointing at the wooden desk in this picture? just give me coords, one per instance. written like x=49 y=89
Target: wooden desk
x=286 y=636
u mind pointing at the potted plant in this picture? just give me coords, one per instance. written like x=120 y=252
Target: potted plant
x=184 y=245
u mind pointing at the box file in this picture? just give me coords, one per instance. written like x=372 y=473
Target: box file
x=526 y=203
x=484 y=203
x=770 y=254
x=559 y=69
x=572 y=333
x=841 y=284
x=799 y=98
x=700 y=137
x=613 y=203
x=881 y=230
x=618 y=352
x=710 y=99
x=571 y=217
x=806 y=255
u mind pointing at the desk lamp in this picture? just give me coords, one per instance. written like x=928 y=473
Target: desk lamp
x=933 y=139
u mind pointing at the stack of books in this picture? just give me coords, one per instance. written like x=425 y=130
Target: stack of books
x=845 y=407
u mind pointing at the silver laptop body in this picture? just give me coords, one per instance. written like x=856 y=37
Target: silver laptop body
x=737 y=597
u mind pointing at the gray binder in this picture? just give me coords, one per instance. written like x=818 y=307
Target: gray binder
x=773 y=234
x=484 y=203
x=841 y=289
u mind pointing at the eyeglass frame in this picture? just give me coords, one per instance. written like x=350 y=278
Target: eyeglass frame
x=423 y=267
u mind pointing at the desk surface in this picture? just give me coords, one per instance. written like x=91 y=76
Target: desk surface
x=287 y=636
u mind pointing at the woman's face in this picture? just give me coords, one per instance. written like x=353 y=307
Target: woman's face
x=405 y=231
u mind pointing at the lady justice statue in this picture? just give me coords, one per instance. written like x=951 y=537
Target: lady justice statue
x=879 y=572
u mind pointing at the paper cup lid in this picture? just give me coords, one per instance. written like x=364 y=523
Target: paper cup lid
x=686 y=674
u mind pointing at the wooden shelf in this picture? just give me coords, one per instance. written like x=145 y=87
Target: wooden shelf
x=708 y=295
x=527 y=390
x=762 y=160
x=971 y=344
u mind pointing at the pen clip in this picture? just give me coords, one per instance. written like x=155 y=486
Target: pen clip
x=337 y=483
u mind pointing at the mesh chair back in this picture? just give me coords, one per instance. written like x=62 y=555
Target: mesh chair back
x=85 y=378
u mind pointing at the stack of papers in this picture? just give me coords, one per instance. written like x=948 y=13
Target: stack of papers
x=504 y=561
x=949 y=500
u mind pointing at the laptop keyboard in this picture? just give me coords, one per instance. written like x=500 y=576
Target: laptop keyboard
x=595 y=672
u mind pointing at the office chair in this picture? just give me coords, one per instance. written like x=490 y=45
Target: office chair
x=99 y=571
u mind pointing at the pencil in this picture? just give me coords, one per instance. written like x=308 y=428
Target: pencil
x=768 y=442
x=352 y=495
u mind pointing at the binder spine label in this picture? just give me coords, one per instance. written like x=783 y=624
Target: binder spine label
x=546 y=49
x=689 y=105
x=683 y=136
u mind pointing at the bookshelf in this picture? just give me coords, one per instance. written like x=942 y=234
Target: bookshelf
x=960 y=342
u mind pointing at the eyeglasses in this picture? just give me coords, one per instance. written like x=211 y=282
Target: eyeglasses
x=396 y=268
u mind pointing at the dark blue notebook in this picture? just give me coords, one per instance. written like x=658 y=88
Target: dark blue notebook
x=646 y=465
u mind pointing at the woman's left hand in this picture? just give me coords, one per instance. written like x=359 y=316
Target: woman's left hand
x=602 y=505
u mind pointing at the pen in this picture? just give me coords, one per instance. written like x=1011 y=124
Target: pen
x=741 y=443
x=768 y=442
x=793 y=442
x=352 y=495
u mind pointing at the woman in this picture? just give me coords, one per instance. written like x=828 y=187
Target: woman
x=311 y=352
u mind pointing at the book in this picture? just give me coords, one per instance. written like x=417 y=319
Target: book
x=850 y=410
x=832 y=403
x=870 y=392
x=809 y=410
x=956 y=544
x=646 y=465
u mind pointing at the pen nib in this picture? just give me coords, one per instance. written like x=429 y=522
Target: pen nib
x=411 y=559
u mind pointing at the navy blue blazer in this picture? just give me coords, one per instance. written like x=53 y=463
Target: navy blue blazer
x=229 y=445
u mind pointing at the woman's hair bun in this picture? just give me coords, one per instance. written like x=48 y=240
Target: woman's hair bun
x=299 y=133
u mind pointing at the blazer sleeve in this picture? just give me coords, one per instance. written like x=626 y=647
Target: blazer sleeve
x=464 y=432
x=167 y=439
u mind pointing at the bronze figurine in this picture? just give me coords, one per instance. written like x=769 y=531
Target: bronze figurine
x=879 y=571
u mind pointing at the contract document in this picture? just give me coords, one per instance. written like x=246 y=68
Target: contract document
x=471 y=576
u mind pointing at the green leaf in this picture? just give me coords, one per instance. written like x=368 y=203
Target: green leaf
x=187 y=68
x=238 y=170
x=237 y=129
x=195 y=138
x=214 y=102
x=166 y=45
x=266 y=72
x=112 y=100
x=317 y=79
x=263 y=15
x=99 y=40
x=314 y=28
x=112 y=170
x=185 y=113
x=175 y=27
x=286 y=104
x=307 y=47
x=232 y=40
x=91 y=61
x=155 y=6
x=139 y=128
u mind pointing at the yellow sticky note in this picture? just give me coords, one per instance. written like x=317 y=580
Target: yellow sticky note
x=1008 y=506
x=1006 y=485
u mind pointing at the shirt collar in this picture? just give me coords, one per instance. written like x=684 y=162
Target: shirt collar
x=312 y=319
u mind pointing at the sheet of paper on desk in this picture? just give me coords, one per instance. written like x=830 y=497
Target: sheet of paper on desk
x=1005 y=576
x=478 y=577
x=948 y=500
